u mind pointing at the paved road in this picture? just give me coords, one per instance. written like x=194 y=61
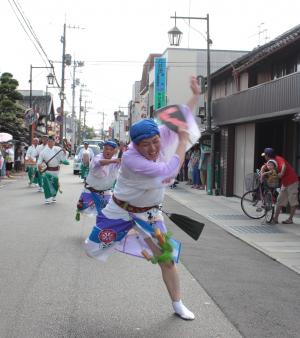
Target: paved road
x=50 y=288
x=260 y=296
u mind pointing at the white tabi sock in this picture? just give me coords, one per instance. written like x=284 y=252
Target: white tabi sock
x=182 y=311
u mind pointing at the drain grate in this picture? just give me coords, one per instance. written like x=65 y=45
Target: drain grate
x=231 y=217
x=255 y=229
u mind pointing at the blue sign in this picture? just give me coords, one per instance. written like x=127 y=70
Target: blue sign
x=159 y=83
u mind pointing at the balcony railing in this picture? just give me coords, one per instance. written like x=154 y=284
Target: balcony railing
x=270 y=99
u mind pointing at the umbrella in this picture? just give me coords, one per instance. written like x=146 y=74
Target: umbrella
x=5 y=137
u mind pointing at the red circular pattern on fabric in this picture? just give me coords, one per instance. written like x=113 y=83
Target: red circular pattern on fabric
x=107 y=236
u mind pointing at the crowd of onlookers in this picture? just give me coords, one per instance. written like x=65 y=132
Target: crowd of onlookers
x=194 y=168
x=12 y=158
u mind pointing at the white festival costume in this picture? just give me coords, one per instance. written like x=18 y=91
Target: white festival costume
x=52 y=157
x=138 y=190
x=101 y=178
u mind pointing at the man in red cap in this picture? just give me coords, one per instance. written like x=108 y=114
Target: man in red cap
x=289 y=185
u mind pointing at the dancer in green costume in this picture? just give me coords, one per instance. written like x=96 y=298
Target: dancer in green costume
x=50 y=159
x=30 y=161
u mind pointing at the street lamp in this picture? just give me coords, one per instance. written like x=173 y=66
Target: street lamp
x=61 y=96
x=174 y=37
x=50 y=80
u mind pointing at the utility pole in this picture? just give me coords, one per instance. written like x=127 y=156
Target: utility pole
x=84 y=118
x=82 y=109
x=84 y=115
x=74 y=83
x=62 y=93
x=102 y=129
x=175 y=37
x=73 y=107
x=102 y=125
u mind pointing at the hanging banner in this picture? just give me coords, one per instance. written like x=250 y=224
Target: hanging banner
x=159 y=83
x=30 y=116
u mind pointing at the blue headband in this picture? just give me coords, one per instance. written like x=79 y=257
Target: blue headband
x=142 y=129
x=110 y=143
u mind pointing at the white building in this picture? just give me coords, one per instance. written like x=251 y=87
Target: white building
x=181 y=64
x=135 y=103
x=120 y=126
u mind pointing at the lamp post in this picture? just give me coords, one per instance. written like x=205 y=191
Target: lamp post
x=102 y=129
x=75 y=83
x=50 y=81
x=174 y=38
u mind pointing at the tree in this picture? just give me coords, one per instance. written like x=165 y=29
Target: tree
x=89 y=133
x=11 y=112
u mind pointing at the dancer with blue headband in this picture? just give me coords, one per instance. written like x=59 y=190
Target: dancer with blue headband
x=132 y=221
x=102 y=175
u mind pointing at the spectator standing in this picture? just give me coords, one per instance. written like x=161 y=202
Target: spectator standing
x=205 y=150
x=195 y=166
x=1 y=161
x=185 y=166
x=190 y=168
x=9 y=159
x=18 y=159
x=289 y=185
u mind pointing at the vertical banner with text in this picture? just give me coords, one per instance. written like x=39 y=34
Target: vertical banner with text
x=159 y=83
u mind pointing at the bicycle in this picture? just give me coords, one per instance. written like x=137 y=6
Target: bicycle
x=259 y=201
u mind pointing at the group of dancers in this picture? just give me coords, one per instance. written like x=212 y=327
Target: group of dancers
x=42 y=163
x=126 y=194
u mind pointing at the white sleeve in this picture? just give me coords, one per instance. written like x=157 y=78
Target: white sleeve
x=91 y=154
x=62 y=156
x=28 y=153
x=41 y=158
x=80 y=154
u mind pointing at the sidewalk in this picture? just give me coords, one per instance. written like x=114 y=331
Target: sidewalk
x=280 y=242
x=4 y=180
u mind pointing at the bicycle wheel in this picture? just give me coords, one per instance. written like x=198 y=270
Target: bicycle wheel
x=252 y=205
x=269 y=206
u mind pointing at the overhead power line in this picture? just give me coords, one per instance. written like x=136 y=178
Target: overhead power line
x=29 y=26
x=30 y=38
x=16 y=7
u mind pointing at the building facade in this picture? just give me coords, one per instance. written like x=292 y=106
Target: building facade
x=181 y=64
x=256 y=104
x=43 y=112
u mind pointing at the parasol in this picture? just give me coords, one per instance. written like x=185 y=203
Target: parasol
x=5 y=137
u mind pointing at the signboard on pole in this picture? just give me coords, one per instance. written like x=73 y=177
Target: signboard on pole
x=159 y=83
x=30 y=116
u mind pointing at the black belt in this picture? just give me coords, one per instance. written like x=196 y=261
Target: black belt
x=91 y=189
x=52 y=168
x=131 y=208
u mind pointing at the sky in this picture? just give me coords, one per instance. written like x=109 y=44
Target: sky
x=115 y=37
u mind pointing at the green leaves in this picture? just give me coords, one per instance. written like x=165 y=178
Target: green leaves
x=11 y=112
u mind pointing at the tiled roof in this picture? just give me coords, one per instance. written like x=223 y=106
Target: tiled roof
x=259 y=53
x=41 y=104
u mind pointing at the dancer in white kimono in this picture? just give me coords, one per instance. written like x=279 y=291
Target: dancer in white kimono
x=152 y=160
x=49 y=163
x=99 y=182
